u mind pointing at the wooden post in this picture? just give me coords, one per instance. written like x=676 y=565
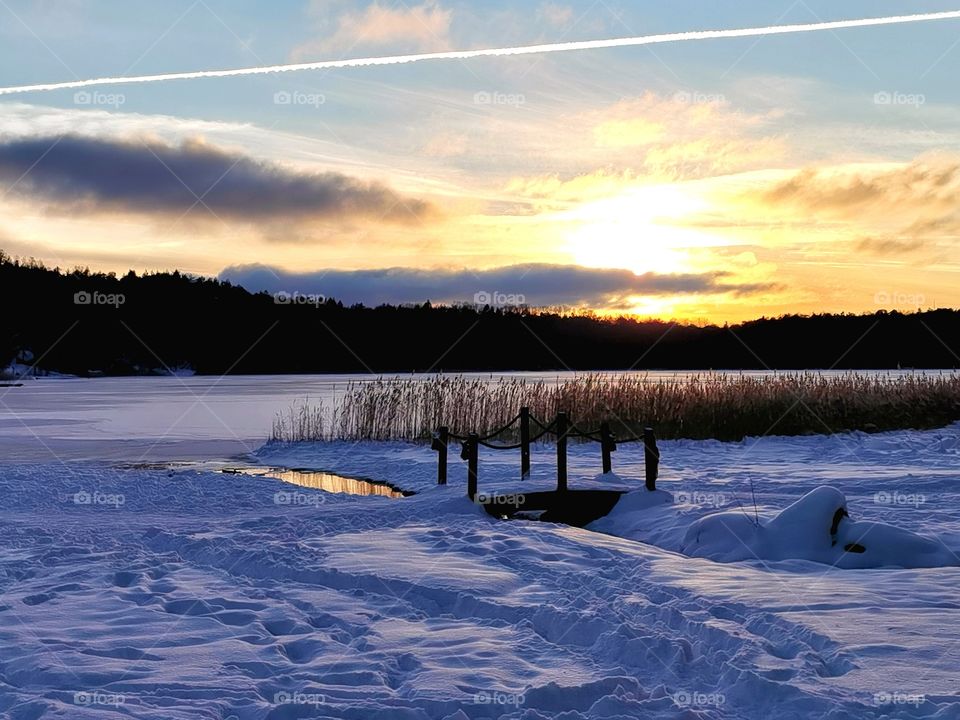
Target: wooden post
x=440 y=445
x=651 y=456
x=524 y=443
x=607 y=446
x=563 y=425
x=473 y=452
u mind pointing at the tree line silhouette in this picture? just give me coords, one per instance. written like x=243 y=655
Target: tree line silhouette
x=82 y=323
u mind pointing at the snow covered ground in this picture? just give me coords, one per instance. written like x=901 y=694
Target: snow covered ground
x=188 y=593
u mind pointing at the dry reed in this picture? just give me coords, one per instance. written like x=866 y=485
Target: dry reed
x=721 y=406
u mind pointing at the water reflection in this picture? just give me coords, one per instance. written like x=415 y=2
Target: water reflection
x=323 y=481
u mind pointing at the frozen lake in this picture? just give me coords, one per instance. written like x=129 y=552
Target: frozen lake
x=151 y=419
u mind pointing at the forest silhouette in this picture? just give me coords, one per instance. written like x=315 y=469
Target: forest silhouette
x=82 y=323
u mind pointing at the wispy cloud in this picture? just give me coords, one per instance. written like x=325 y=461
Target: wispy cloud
x=655 y=138
x=555 y=14
x=423 y=27
x=931 y=184
x=896 y=210
x=890 y=246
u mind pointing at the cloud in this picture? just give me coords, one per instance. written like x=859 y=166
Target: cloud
x=400 y=27
x=581 y=188
x=630 y=132
x=653 y=138
x=152 y=176
x=554 y=14
x=889 y=246
x=923 y=184
x=876 y=200
x=24 y=120
x=687 y=134
x=536 y=285
x=447 y=145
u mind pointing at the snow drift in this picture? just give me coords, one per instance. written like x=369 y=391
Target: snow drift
x=817 y=527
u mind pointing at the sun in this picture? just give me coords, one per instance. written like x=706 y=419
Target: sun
x=641 y=229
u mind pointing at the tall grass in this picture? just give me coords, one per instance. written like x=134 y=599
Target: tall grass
x=726 y=407
x=301 y=421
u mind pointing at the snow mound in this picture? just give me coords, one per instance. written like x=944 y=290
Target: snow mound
x=818 y=528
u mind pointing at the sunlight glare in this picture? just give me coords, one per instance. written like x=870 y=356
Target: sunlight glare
x=635 y=230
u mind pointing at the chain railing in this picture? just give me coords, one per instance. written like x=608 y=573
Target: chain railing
x=561 y=428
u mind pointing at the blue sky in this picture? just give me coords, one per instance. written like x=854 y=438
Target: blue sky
x=673 y=160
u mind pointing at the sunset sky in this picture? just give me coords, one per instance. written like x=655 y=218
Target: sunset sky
x=718 y=180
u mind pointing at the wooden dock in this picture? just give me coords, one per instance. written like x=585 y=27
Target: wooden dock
x=572 y=507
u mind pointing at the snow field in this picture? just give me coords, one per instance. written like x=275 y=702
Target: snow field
x=186 y=593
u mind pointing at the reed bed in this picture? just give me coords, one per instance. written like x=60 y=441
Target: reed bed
x=302 y=421
x=721 y=406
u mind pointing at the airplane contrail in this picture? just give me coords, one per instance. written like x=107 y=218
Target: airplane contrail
x=494 y=52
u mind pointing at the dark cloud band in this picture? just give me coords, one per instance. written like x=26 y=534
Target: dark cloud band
x=535 y=285
x=153 y=177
